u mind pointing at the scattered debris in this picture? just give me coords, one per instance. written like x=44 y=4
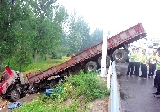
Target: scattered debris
x=123 y=96
x=3 y=104
x=14 y=105
x=48 y=92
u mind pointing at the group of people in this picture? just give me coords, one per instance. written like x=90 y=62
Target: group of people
x=140 y=59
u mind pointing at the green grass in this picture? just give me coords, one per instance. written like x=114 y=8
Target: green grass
x=72 y=96
x=43 y=65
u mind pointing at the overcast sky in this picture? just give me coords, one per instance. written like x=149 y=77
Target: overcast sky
x=118 y=15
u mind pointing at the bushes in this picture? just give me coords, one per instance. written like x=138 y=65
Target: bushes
x=71 y=96
x=88 y=85
x=56 y=55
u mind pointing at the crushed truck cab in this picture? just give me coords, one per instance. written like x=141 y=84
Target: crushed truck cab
x=8 y=77
x=12 y=84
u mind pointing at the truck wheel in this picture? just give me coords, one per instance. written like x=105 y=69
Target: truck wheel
x=15 y=95
x=91 y=66
x=120 y=55
x=108 y=58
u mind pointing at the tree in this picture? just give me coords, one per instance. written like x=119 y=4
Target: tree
x=95 y=37
x=46 y=25
x=10 y=14
x=64 y=48
x=78 y=34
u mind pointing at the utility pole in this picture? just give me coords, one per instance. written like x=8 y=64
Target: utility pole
x=104 y=53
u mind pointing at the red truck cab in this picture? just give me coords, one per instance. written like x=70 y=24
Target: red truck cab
x=5 y=78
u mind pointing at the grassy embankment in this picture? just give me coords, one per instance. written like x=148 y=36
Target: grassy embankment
x=72 y=96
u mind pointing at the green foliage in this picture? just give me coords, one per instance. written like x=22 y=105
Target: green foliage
x=78 y=37
x=30 y=29
x=21 y=61
x=95 y=37
x=56 y=55
x=70 y=96
x=47 y=30
x=88 y=85
x=9 y=15
x=79 y=34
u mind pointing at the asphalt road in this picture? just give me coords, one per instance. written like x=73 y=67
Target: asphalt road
x=136 y=94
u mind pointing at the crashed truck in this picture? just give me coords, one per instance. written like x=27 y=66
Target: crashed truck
x=14 y=84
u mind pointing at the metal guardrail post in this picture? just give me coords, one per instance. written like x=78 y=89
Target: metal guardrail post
x=115 y=100
x=109 y=76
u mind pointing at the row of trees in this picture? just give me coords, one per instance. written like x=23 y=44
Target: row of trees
x=33 y=28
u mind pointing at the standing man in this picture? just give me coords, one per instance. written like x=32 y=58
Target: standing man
x=157 y=77
x=137 y=62
x=152 y=63
x=131 y=62
x=144 y=60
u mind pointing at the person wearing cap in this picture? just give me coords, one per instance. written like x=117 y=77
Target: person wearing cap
x=131 y=62
x=137 y=62
x=152 y=63
x=157 y=77
x=144 y=60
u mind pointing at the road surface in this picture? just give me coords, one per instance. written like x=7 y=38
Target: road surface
x=136 y=94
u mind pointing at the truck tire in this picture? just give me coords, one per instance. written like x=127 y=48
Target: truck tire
x=120 y=55
x=15 y=95
x=108 y=58
x=91 y=66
